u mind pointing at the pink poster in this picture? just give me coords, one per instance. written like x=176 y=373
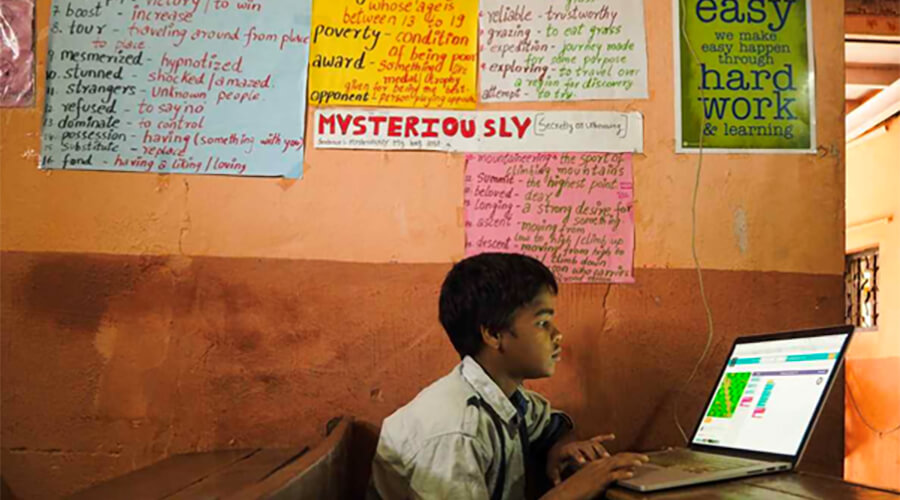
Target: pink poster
x=572 y=211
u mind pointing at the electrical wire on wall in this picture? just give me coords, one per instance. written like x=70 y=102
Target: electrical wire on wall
x=709 y=318
x=881 y=432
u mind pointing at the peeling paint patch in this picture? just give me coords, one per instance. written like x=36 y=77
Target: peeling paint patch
x=284 y=183
x=400 y=218
x=105 y=340
x=162 y=182
x=740 y=229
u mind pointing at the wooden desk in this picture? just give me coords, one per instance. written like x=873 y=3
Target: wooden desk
x=784 y=486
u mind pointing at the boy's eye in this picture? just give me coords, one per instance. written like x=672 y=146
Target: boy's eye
x=543 y=324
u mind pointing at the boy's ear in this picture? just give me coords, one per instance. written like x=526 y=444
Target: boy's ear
x=490 y=339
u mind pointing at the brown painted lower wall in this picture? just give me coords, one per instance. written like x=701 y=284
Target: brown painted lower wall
x=110 y=363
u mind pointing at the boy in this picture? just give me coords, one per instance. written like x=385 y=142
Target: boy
x=473 y=433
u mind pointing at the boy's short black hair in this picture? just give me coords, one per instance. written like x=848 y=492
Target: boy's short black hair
x=484 y=291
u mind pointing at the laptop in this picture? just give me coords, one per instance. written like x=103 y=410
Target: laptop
x=760 y=415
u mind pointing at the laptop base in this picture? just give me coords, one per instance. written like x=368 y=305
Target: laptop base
x=683 y=467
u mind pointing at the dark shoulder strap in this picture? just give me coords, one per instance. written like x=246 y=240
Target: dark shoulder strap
x=497 y=494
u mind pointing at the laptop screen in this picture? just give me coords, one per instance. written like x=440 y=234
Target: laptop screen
x=768 y=394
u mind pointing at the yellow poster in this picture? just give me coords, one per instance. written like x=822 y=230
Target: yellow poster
x=394 y=53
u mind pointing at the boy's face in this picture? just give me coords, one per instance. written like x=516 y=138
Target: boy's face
x=532 y=347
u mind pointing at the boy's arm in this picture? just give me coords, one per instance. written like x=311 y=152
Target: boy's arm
x=566 y=437
x=552 y=437
x=448 y=466
x=596 y=476
x=546 y=426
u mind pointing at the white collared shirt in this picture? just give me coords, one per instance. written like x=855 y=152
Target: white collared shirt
x=440 y=445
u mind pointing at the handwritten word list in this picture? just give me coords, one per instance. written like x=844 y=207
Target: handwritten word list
x=562 y=50
x=177 y=86
x=394 y=53
x=572 y=211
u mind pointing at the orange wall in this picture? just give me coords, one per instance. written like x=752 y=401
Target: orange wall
x=362 y=206
x=148 y=315
x=873 y=367
x=873 y=193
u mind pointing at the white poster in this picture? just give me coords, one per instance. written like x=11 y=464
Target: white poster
x=479 y=131
x=562 y=50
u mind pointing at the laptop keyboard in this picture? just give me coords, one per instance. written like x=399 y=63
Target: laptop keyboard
x=696 y=463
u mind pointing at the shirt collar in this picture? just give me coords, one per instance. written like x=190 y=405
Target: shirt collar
x=488 y=390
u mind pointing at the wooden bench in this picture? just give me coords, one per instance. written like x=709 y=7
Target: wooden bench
x=332 y=469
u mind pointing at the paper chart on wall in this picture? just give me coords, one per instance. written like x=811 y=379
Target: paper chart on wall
x=744 y=77
x=478 y=131
x=572 y=211
x=562 y=50
x=193 y=87
x=394 y=53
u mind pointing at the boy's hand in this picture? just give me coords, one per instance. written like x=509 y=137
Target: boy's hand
x=577 y=452
x=596 y=476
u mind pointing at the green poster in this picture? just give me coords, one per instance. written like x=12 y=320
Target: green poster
x=744 y=76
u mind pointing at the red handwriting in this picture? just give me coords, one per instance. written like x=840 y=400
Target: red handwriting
x=573 y=211
x=409 y=53
x=421 y=126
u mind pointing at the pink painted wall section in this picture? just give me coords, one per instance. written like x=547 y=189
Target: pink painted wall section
x=757 y=212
